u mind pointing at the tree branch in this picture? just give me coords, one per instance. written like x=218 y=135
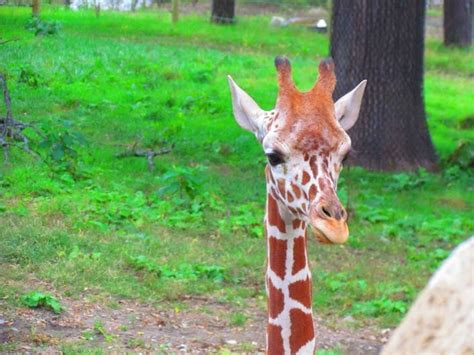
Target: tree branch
x=149 y=154
x=11 y=130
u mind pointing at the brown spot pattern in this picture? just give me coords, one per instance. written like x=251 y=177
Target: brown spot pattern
x=325 y=163
x=302 y=329
x=275 y=300
x=296 y=223
x=269 y=175
x=296 y=190
x=314 y=166
x=282 y=188
x=277 y=255
x=322 y=184
x=275 y=341
x=290 y=197
x=301 y=291
x=312 y=192
x=299 y=254
x=274 y=218
x=306 y=178
x=292 y=210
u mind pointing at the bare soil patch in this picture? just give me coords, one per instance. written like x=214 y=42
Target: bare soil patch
x=202 y=325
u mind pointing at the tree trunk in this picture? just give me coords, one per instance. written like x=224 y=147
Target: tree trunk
x=223 y=11
x=36 y=8
x=382 y=41
x=175 y=11
x=458 y=23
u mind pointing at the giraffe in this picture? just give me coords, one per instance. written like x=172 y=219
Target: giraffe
x=305 y=141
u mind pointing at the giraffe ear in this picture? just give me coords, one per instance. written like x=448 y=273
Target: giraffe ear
x=247 y=113
x=347 y=107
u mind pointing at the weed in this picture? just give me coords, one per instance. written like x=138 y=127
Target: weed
x=99 y=328
x=136 y=343
x=328 y=352
x=37 y=299
x=76 y=253
x=88 y=335
x=238 y=319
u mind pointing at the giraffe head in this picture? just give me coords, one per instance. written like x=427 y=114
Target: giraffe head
x=304 y=138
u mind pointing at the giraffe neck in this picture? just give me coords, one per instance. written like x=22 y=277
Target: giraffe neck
x=290 y=328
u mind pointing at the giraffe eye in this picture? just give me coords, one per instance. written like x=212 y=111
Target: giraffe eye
x=275 y=158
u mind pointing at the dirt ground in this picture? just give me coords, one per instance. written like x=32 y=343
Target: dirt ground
x=201 y=326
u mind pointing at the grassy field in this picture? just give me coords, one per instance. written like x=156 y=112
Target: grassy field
x=103 y=228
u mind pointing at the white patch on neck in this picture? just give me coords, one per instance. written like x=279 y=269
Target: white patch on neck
x=307 y=349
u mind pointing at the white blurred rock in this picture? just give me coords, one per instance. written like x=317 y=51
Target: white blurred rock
x=278 y=21
x=441 y=321
x=321 y=24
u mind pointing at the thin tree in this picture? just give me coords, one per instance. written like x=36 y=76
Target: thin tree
x=36 y=8
x=383 y=41
x=223 y=11
x=457 y=24
x=175 y=11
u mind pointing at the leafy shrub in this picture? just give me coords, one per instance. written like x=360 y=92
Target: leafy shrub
x=61 y=145
x=184 y=271
x=42 y=28
x=182 y=180
x=462 y=157
x=404 y=181
x=374 y=215
x=76 y=253
x=29 y=77
x=37 y=299
x=107 y=209
x=245 y=218
x=432 y=258
x=379 y=306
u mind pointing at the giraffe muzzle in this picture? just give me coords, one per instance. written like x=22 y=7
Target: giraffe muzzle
x=329 y=223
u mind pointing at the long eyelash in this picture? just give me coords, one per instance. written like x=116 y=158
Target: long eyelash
x=275 y=158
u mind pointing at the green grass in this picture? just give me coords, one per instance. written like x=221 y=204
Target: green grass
x=81 y=223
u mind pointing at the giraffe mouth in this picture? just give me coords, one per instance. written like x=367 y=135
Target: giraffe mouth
x=321 y=237
x=330 y=231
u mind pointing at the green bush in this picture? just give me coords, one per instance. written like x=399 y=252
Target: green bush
x=42 y=28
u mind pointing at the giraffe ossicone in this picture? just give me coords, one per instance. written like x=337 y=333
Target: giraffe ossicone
x=304 y=138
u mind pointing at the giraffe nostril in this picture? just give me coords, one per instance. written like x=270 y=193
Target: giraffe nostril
x=326 y=212
x=343 y=213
